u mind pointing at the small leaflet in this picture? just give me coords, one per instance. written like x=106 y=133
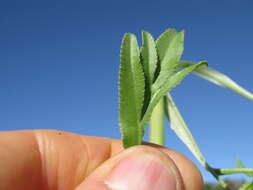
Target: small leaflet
x=131 y=91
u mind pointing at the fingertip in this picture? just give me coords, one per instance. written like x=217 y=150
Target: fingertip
x=139 y=167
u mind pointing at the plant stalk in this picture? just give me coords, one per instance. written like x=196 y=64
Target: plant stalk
x=157 y=124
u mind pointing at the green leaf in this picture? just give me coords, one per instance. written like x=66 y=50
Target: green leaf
x=239 y=163
x=247 y=186
x=149 y=62
x=170 y=47
x=131 y=91
x=219 y=79
x=149 y=57
x=179 y=126
x=179 y=76
x=164 y=42
x=169 y=84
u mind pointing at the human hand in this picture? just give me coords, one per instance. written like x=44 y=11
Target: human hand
x=56 y=160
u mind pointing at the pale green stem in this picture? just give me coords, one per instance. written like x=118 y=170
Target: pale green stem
x=157 y=124
x=236 y=170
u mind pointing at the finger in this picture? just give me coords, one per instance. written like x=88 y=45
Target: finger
x=48 y=159
x=137 y=168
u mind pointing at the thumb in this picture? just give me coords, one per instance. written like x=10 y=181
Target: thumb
x=136 y=168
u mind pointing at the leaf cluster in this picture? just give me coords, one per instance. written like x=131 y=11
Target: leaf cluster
x=146 y=75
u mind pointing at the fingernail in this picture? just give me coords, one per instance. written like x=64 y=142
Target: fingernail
x=142 y=172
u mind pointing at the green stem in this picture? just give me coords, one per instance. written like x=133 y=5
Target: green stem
x=156 y=124
x=236 y=170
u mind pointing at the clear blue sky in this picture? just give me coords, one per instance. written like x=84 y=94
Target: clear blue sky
x=59 y=65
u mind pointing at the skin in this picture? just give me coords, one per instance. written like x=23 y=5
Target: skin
x=57 y=160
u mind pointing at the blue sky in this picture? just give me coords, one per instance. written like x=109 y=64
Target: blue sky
x=59 y=65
